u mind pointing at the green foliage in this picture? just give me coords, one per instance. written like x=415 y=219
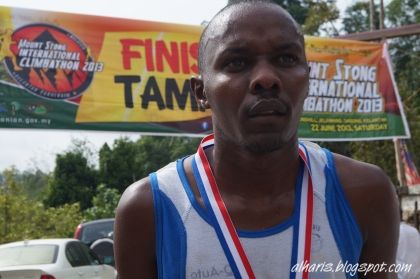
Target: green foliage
x=104 y=204
x=405 y=54
x=380 y=153
x=23 y=218
x=73 y=180
x=117 y=166
x=155 y=152
x=129 y=161
x=406 y=59
x=30 y=220
x=402 y=12
x=299 y=9
x=319 y=14
x=34 y=183
x=9 y=183
x=73 y=193
x=61 y=221
x=356 y=18
x=312 y=15
x=405 y=50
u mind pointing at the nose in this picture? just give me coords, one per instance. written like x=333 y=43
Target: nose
x=265 y=78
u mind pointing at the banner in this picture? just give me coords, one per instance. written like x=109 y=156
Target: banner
x=352 y=93
x=412 y=177
x=69 y=71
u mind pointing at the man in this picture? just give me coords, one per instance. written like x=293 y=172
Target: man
x=256 y=204
x=408 y=251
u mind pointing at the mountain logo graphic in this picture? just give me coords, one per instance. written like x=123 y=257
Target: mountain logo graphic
x=49 y=62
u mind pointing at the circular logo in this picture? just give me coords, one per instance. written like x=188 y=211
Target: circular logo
x=49 y=61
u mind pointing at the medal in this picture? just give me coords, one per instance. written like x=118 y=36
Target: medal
x=223 y=224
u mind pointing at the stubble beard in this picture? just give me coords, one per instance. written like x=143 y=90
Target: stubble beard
x=263 y=143
x=258 y=144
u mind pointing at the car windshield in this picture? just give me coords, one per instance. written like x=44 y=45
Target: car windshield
x=92 y=232
x=28 y=255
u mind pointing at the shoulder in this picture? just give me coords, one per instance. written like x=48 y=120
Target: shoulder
x=360 y=176
x=366 y=186
x=357 y=178
x=136 y=198
x=135 y=213
x=135 y=205
x=135 y=232
x=373 y=199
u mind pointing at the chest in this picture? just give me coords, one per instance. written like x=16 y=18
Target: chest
x=251 y=213
x=271 y=251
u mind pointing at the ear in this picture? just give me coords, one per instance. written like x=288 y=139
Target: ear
x=197 y=87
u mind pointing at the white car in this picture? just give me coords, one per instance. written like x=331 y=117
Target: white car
x=51 y=259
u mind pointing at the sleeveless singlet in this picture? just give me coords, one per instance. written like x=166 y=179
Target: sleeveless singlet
x=188 y=247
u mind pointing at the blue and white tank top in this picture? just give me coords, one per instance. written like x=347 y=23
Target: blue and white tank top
x=188 y=246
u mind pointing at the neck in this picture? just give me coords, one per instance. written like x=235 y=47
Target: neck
x=240 y=172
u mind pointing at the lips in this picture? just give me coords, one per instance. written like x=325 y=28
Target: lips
x=268 y=107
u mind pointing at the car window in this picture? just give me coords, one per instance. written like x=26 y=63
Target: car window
x=28 y=255
x=94 y=231
x=91 y=256
x=76 y=255
x=104 y=248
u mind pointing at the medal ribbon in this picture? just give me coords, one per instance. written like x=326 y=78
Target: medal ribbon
x=223 y=224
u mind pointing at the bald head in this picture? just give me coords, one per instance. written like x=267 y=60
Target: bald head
x=223 y=19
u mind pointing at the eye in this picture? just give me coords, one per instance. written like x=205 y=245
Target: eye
x=287 y=60
x=235 y=64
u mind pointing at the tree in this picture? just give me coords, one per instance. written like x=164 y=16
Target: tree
x=73 y=180
x=356 y=18
x=22 y=218
x=156 y=152
x=405 y=56
x=104 y=203
x=299 y=9
x=402 y=12
x=33 y=183
x=380 y=153
x=181 y=146
x=321 y=18
x=129 y=161
x=30 y=220
x=310 y=14
x=117 y=166
x=10 y=193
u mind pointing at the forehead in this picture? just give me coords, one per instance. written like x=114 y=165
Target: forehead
x=258 y=23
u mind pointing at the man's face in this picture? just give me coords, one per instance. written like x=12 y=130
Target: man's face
x=255 y=77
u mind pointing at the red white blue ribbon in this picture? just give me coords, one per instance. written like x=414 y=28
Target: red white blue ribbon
x=223 y=224
x=305 y=217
